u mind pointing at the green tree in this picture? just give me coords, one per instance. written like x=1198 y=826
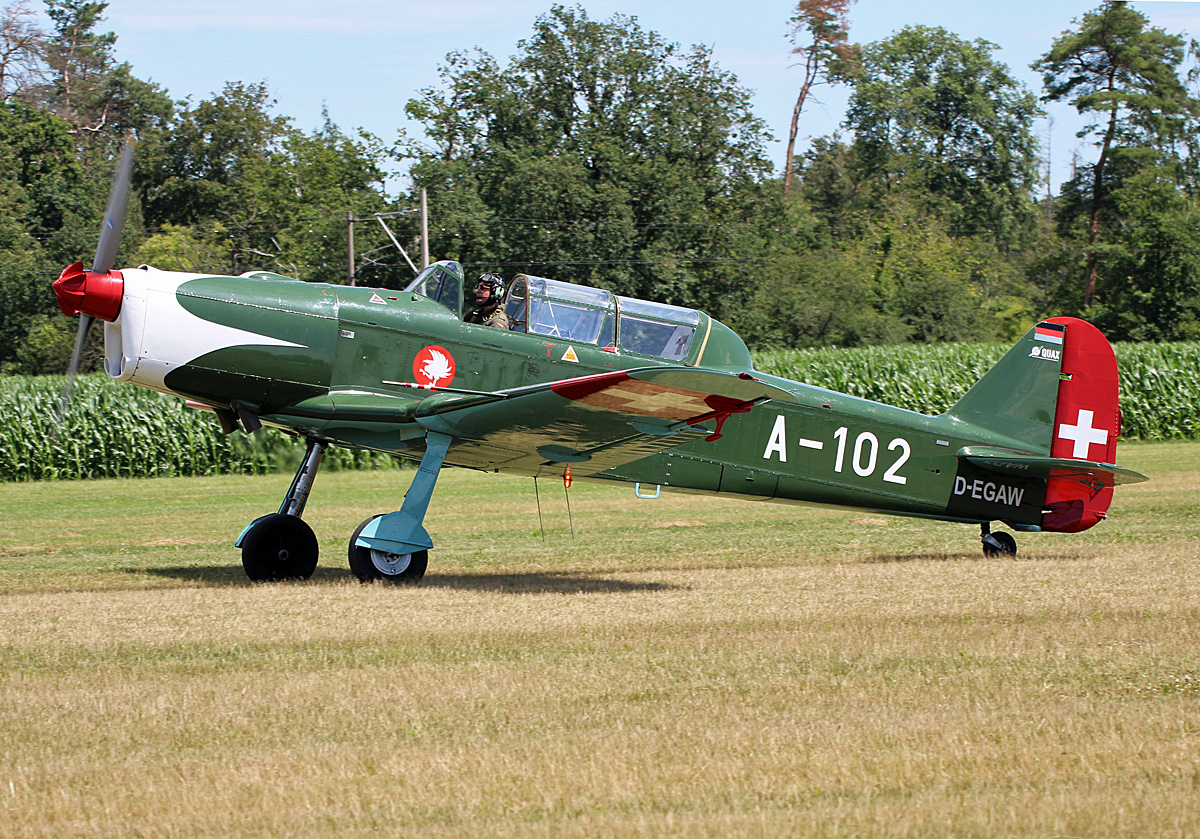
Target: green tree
x=601 y=150
x=934 y=114
x=937 y=285
x=198 y=171
x=928 y=206
x=99 y=97
x=44 y=200
x=1150 y=290
x=314 y=180
x=233 y=186
x=817 y=298
x=1123 y=74
x=829 y=183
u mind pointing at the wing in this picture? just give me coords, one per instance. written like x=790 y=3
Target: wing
x=593 y=423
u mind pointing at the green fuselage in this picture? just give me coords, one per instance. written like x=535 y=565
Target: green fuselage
x=346 y=372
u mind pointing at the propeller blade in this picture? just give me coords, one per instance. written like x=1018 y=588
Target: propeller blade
x=85 y=323
x=75 y=280
x=114 y=213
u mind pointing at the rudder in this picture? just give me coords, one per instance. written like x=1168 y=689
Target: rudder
x=1087 y=423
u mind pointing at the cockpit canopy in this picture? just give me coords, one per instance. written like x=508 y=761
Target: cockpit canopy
x=561 y=310
x=443 y=282
x=541 y=306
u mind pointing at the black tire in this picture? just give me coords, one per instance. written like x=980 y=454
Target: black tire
x=279 y=547
x=999 y=544
x=399 y=569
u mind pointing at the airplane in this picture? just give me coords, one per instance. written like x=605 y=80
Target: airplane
x=586 y=385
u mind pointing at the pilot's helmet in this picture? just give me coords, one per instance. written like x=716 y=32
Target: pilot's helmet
x=495 y=282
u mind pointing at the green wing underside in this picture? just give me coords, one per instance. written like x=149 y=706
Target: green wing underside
x=592 y=424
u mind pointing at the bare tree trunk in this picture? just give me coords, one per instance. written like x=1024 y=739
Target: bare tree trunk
x=789 y=164
x=1089 y=279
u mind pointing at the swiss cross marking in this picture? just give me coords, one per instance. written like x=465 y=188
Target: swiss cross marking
x=1082 y=434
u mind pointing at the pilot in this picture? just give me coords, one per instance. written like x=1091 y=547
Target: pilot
x=489 y=294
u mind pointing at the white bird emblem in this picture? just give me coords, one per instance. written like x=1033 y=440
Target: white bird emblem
x=437 y=367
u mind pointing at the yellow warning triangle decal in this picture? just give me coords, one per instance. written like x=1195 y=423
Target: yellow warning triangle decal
x=569 y=355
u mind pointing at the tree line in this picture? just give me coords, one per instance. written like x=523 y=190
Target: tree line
x=605 y=154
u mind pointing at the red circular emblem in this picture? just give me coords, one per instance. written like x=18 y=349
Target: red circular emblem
x=433 y=366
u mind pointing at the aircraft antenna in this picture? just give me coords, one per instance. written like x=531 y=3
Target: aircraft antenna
x=537 y=495
x=570 y=520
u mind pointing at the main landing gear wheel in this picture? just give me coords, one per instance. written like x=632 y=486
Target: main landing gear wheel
x=399 y=569
x=999 y=544
x=279 y=547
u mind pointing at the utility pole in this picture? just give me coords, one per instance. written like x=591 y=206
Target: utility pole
x=424 y=231
x=350 y=246
x=351 y=257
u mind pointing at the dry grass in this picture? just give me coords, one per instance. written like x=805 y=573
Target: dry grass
x=684 y=667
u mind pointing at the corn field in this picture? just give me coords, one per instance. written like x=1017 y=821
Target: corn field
x=113 y=430
x=928 y=379
x=1159 y=383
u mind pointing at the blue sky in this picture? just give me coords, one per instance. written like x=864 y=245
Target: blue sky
x=363 y=59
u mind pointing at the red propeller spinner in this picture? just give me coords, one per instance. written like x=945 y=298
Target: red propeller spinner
x=89 y=292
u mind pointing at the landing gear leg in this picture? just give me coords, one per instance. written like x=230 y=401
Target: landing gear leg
x=997 y=544
x=395 y=547
x=281 y=546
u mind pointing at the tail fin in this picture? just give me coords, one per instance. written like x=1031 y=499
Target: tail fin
x=1016 y=400
x=1050 y=409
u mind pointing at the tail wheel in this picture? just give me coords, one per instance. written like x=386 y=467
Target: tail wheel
x=279 y=547
x=369 y=565
x=999 y=544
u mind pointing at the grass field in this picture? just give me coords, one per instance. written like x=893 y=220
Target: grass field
x=679 y=667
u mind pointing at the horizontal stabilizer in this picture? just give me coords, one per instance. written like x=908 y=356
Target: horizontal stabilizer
x=1006 y=462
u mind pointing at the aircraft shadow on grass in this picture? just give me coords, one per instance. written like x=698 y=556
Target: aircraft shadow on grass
x=532 y=583
x=883 y=559
x=544 y=583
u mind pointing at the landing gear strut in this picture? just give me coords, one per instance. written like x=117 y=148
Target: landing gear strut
x=997 y=544
x=281 y=546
